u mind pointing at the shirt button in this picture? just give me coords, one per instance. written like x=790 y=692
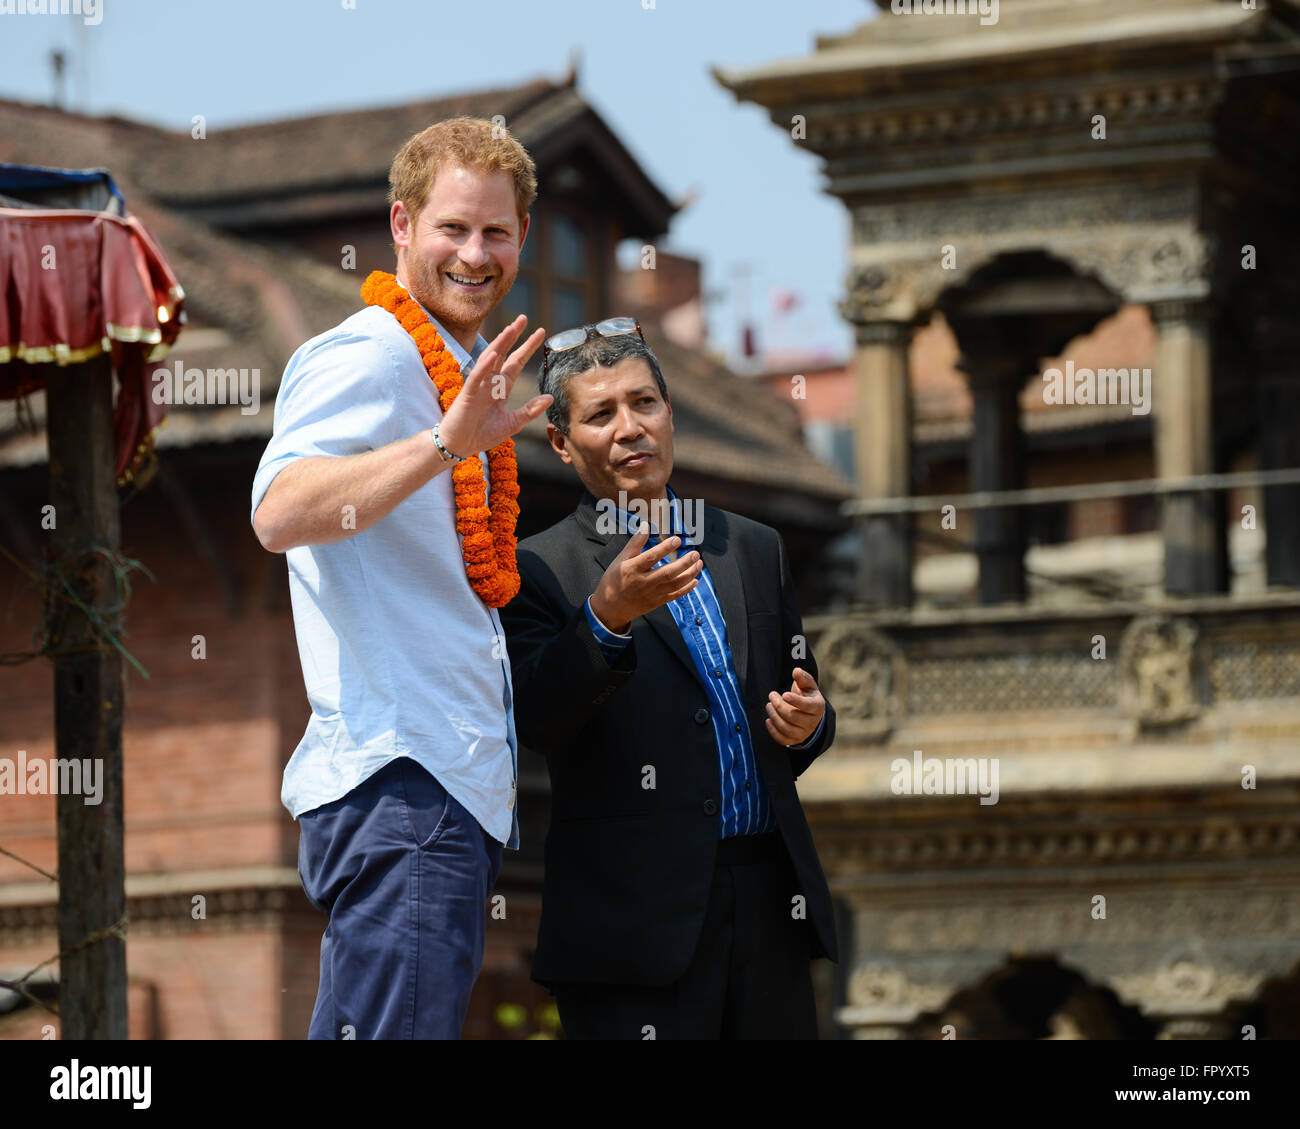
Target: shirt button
x=747 y=786
x=717 y=674
x=701 y=716
x=737 y=727
x=698 y=621
x=710 y=808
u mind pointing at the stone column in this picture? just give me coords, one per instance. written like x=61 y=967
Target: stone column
x=1182 y=395
x=882 y=444
x=997 y=462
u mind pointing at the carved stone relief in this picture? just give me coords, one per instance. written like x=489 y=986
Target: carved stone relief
x=1158 y=683
x=858 y=668
x=1011 y=215
x=1144 y=958
x=902 y=282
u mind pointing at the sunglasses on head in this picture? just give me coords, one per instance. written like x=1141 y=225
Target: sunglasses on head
x=572 y=338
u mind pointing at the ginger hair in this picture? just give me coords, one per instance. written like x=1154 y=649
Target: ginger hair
x=470 y=143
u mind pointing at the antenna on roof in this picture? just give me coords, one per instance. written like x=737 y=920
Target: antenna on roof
x=58 y=64
x=84 y=57
x=575 y=60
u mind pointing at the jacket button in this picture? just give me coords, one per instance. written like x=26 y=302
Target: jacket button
x=710 y=808
x=701 y=716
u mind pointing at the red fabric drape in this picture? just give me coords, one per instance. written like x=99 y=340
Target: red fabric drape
x=74 y=284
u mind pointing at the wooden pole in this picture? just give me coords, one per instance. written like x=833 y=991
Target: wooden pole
x=87 y=700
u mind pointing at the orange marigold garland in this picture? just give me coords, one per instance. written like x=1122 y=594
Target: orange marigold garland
x=487 y=533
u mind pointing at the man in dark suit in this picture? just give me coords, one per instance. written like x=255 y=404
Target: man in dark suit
x=683 y=897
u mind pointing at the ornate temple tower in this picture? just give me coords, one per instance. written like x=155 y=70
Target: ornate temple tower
x=1026 y=173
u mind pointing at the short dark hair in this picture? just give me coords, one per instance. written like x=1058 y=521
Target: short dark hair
x=597 y=352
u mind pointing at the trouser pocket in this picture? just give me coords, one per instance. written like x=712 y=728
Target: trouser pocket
x=425 y=803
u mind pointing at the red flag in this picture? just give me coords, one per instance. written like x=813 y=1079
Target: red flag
x=783 y=301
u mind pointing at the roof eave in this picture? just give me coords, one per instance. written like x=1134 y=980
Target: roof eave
x=650 y=211
x=864 y=67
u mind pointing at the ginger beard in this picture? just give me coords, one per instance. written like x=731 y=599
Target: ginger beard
x=455 y=306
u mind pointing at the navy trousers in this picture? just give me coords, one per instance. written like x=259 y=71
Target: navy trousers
x=404 y=872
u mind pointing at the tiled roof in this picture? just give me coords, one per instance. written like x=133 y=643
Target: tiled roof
x=298 y=154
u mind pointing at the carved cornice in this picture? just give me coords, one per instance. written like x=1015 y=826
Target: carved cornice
x=1046 y=211
x=1137 y=264
x=901 y=122
x=1144 y=246
x=160 y=911
x=858 y=847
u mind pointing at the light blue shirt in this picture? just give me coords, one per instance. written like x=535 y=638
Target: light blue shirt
x=746 y=808
x=399 y=655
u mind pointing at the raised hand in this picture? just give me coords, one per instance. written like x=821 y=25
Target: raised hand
x=793 y=717
x=632 y=586
x=480 y=418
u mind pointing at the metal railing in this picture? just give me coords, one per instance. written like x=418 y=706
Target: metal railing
x=1048 y=495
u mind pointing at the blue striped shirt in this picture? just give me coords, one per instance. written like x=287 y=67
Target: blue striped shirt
x=746 y=808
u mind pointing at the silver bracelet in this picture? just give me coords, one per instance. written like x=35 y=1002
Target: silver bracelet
x=445 y=455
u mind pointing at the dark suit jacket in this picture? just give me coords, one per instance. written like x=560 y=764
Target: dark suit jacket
x=628 y=869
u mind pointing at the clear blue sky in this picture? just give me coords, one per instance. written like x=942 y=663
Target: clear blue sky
x=759 y=201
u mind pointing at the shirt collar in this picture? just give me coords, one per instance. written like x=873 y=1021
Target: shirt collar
x=464 y=359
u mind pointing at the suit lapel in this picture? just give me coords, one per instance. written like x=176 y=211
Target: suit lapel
x=661 y=619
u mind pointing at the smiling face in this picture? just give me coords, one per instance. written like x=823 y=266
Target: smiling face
x=460 y=255
x=620 y=431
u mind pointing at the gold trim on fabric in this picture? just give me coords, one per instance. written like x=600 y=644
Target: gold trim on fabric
x=142 y=452
x=133 y=334
x=61 y=354
x=51 y=354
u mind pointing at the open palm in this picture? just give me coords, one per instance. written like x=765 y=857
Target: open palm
x=481 y=417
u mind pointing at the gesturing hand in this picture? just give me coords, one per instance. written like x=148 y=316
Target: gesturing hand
x=632 y=586
x=480 y=418
x=793 y=717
